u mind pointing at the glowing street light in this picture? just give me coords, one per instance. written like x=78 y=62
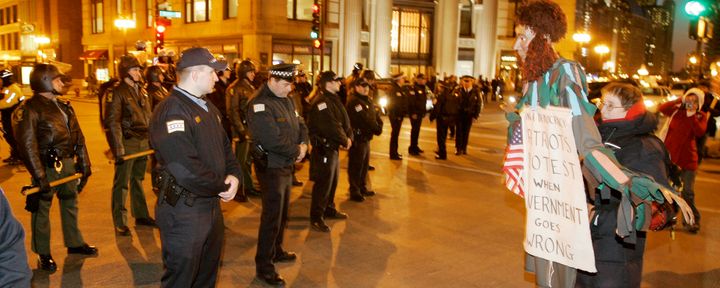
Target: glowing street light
x=124 y=24
x=693 y=60
x=602 y=49
x=643 y=71
x=581 y=37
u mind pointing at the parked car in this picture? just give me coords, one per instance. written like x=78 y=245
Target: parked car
x=655 y=96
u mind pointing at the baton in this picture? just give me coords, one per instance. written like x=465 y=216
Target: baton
x=135 y=155
x=27 y=190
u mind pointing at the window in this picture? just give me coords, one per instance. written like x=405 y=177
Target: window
x=2 y=16
x=197 y=11
x=96 y=16
x=466 y=21
x=410 y=35
x=231 y=8
x=332 y=13
x=299 y=9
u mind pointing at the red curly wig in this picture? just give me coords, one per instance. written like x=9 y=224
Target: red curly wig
x=547 y=20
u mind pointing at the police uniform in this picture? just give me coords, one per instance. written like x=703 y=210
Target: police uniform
x=470 y=107
x=52 y=146
x=445 y=111
x=128 y=111
x=274 y=125
x=237 y=96
x=329 y=129
x=417 y=107
x=365 y=123
x=191 y=148
x=397 y=109
x=11 y=97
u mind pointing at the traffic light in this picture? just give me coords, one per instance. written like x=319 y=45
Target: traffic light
x=315 y=32
x=701 y=28
x=317 y=43
x=695 y=8
x=160 y=27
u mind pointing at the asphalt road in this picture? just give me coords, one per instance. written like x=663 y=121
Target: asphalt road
x=433 y=224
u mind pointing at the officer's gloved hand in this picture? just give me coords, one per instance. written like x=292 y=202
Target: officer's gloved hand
x=32 y=202
x=44 y=186
x=119 y=160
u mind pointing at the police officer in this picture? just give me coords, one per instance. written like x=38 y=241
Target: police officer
x=329 y=129
x=279 y=139
x=470 y=106
x=9 y=100
x=218 y=98
x=445 y=111
x=237 y=97
x=154 y=78
x=52 y=146
x=397 y=109
x=365 y=123
x=126 y=121
x=417 y=107
x=196 y=167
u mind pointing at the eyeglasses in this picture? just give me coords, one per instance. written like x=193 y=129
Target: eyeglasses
x=602 y=104
x=365 y=85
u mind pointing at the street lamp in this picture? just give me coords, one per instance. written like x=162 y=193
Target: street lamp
x=124 y=24
x=581 y=38
x=693 y=60
x=602 y=50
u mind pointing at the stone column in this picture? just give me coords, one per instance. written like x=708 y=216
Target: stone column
x=351 y=36
x=381 y=37
x=485 y=17
x=446 y=40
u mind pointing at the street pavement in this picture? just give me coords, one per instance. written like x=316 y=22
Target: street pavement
x=432 y=224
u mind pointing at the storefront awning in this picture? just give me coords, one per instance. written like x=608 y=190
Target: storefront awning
x=94 y=55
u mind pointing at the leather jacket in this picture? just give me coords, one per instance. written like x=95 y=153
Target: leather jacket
x=156 y=94
x=127 y=115
x=237 y=96
x=39 y=126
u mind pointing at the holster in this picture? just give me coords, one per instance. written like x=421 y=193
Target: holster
x=259 y=156
x=167 y=186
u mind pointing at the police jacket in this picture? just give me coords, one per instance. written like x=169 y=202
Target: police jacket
x=364 y=119
x=417 y=100
x=275 y=125
x=190 y=144
x=397 y=101
x=127 y=115
x=236 y=97
x=217 y=97
x=156 y=94
x=470 y=101
x=328 y=123
x=447 y=106
x=41 y=124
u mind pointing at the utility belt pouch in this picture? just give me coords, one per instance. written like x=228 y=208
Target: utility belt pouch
x=166 y=186
x=259 y=155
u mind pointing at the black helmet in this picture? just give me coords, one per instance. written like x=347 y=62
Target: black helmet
x=127 y=62
x=7 y=77
x=42 y=76
x=152 y=74
x=244 y=67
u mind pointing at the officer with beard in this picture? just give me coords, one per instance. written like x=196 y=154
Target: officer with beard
x=279 y=138
x=52 y=146
x=329 y=128
x=127 y=118
x=237 y=96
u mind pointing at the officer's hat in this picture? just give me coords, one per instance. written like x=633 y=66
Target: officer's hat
x=360 y=81
x=200 y=56
x=467 y=77
x=398 y=76
x=420 y=76
x=283 y=71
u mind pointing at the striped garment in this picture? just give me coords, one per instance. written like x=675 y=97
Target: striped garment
x=513 y=164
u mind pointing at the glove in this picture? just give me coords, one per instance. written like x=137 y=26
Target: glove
x=44 y=186
x=119 y=160
x=32 y=202
x=646 y=188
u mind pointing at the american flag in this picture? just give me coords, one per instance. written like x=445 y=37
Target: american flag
x=513 y=165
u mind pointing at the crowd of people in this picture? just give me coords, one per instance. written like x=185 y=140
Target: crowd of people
x=207 y=125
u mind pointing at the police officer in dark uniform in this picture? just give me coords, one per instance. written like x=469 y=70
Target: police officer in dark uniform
x=218 y=98
x=445 y=112
x=196 y=166
x=417 y=107
x=126 y=122
x=365 y=122
x=329 y=129
x=52 y=146
x=470 y=107
x=279 y=139
x=397 y=109
x=237 y=96
x=154 y=79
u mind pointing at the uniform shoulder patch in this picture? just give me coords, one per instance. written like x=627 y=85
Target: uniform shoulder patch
x=175 y=126
x=258 y=108
x=358 y=108
x=322 y=106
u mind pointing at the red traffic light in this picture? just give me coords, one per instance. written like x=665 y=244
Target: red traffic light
x=316 y=8
x=317 y=43
x=160 y=29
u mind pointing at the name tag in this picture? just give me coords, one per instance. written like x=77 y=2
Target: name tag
x=175 y=126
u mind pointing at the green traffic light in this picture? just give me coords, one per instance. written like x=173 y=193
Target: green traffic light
x=694 y=8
